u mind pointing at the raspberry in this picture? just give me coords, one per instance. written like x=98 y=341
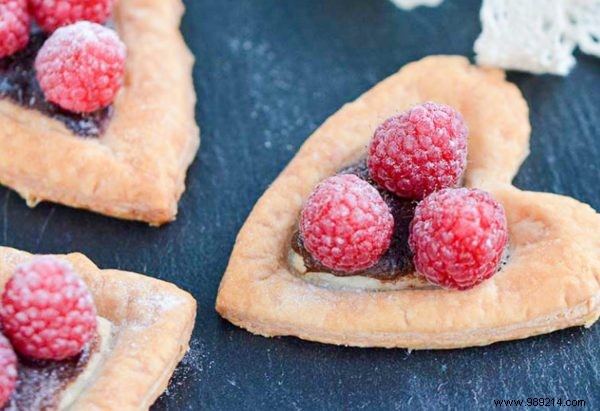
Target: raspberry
x=345 y=223
x=47 y=312
x=8 y=370
x=419 y=151
x=14 y=26
x=52 y=14
x=458 y=237
x=80 y=67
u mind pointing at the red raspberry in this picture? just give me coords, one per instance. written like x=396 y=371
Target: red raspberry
x=47 y=312
x=52 y=14
x=345 y=224
x=80 y=67
x=8 y=371
x=14 y=26
x=419 y=151
x=458 y=237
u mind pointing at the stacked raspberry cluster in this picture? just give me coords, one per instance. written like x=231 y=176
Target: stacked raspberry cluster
x=457 y=235
x=81 y=65
x=46 y=313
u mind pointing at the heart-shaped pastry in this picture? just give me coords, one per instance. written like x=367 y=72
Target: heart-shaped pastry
x=127 y=160
x=551 y=279
x=143 y=330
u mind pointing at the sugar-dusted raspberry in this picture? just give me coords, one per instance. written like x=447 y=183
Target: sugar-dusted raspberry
x=80 y=67
x=8 y=370
x=14 y=26
x=458 y=237
x=47 y=311
x=345 y=224
x=419 y=151
x=52 y=14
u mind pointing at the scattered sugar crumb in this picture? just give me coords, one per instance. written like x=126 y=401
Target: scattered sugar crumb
x=194 y=362
x=268 y=75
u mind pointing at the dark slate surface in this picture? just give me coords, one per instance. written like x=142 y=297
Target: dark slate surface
x=268 y=73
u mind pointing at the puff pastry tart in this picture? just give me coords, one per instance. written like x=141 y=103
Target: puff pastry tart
x=76 y=337
x=546 y=246
x=126 y=156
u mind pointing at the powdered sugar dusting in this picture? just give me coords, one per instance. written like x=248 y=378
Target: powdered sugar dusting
x=152 y=308
x=14 y=26
x=163 y=302
x=195 y=361
x=83 y=32
x=52 y=14
x=80 y=67
x=264 y=67
x=345 y=224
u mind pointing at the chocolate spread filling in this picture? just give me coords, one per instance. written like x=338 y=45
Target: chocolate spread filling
x=40 y=383
x=398 y=259
x=18 y=83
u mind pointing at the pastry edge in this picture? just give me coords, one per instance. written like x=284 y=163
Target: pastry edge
x=162 y=382
x=163 y=210
x=583 y=314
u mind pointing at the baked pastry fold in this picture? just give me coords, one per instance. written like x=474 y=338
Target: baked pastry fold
x=551 y=280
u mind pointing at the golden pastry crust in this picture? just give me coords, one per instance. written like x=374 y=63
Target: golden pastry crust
x=552 y=278
x=152 y=322
x=136 y=169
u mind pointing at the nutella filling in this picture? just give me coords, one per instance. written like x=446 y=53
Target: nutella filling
x=18 y=84
x=50 y=385
x=397 y=260
x=394 y=269
x=40 y=382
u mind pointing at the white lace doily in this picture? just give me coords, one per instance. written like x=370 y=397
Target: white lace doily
x=538 y=36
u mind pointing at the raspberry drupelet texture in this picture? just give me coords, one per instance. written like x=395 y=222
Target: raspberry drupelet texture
x=345 y=224
x=8 y=370
x=419 y=151
x=47 y=311
x=80 y=67
x=52 y=14
x=458 y=237
x=14 y=26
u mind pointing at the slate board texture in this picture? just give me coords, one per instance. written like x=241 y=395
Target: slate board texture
x=268 y=73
